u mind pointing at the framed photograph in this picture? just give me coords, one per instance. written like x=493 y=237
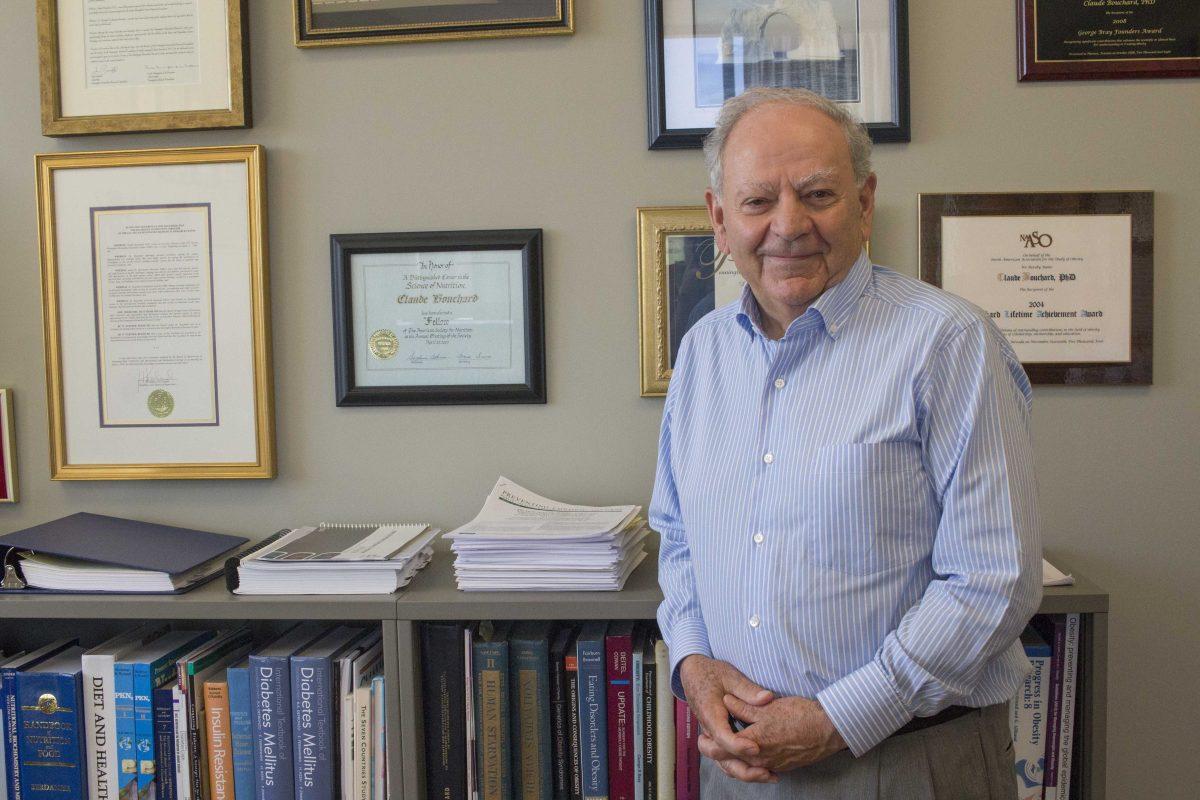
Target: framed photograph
x=143 y=65
x=156 y=313
x=680 y=279
x=1067 y=276
x=321 y=23
x=8 y=449
x=699 y=53
x=438 y=318
x=1117 y=39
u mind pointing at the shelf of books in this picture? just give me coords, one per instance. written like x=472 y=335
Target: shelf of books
x=435 y=699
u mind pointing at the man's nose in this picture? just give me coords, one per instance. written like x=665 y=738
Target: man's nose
x=791 y=219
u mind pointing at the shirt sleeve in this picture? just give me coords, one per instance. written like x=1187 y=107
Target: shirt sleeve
x=973 y=406
x=679 y=615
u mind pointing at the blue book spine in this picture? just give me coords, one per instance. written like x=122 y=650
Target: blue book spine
x=8 y=697
x=313 y=722
x=126 y=735
x=164 y=744
x=50 y=735
x=241 y=732
x=143 y=730
x=492 y=747
x=593 y=712
x=271 y=688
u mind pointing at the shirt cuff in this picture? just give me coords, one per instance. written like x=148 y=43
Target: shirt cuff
x=864 y=707
x=689 y=637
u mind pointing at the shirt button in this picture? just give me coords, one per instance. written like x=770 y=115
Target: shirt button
x=758 y=538
x=833 y=328
x=755 y=621
x=780 y=383
x=768 y=458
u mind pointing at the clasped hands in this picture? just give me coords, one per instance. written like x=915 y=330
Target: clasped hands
x=781 y=733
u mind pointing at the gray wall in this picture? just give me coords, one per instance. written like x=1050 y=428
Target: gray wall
x=550 y=133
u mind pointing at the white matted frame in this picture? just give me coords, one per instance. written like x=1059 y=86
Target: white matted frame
x=8 y=449
x=143 y=65
x=147 y=375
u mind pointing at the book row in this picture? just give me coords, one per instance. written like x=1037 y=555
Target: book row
x=162 y=714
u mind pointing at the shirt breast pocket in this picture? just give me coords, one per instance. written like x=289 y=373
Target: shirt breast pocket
x=871 y=507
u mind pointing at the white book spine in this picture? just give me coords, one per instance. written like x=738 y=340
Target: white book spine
x=1029 y=721
x=664 y=723
x=100 y=741
x=1066 y=725
x=378 y=739
x=183 y=763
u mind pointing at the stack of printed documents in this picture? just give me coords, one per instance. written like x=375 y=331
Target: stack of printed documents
x=338 y=559
x=523 y=541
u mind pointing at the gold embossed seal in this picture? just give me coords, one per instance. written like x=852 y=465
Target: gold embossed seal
x=47 y=704
x=383 y=344
x=161 y=403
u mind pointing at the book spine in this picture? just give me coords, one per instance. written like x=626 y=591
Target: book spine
x=197 y=754
x=664 y=702
x=1069 y=687
x=687 y=754
x=362 y=731
x=593 y=722
x=619 y=655
x=312 y=727
x=100 y=741
x=638 y=738
x=143 y=729
x=183 y=759
x=126 y=733
x=560 y=774
x=574 y=757
x=531 y=720
x=217 y=737
x=444 y=701
x=8 y=697
x=1053 y=628
x=164 y=744
x=50 y=747
x=271 y=692
x=493 y=767
x=1029 y=727
x=3 y=755
x=378 y=738
x=649 y=725
x=241 y=736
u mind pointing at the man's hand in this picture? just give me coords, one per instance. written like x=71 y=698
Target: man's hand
x=789 y=732
x=706 y=683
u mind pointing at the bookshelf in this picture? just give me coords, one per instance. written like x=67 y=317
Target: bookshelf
x=433 y=596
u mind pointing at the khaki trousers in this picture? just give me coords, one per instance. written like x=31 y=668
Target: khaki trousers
x=967 y=758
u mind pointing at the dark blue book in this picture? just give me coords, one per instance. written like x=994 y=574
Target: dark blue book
x=593 y=710
x=270 y=674
x=529 y=682
x=315 y=702
x=560 y=713
x=50 y=746
x=444 y=701
x=8 y=697
x=493 y=751
x=241 y=731
x=164 y=744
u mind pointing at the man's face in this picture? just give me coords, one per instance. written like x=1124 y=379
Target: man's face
x=790 y=214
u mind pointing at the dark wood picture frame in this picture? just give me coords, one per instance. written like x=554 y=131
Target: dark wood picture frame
x=1107 y=66
x=383 y=26
x=662 y=137
x=528 y=241
x=1138 y=205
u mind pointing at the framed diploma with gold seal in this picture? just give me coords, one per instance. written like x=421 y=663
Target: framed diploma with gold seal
x=1068 y=277
x=119 y=66
x=8 y=449
x=437 y=318
x=156 y=313
x=1107 y=39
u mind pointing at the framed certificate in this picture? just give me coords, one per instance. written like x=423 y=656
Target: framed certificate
x=143 y=65
x=1067 y=276
x=155 y=306
x=439 y=317
x=333 y=22
x=680 y=279
x=699 y=53
x=8 y=449
x=1092 y=39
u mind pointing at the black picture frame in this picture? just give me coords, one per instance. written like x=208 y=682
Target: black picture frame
x=663 y=137
x=351 y=392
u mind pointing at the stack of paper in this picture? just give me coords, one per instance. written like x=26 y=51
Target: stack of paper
x=338 y=559
x=523 y=541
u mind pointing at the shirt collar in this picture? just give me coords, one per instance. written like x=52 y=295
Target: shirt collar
x=833 y=306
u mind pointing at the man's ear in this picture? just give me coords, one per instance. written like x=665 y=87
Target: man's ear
x=716 y=215
x=866 y=200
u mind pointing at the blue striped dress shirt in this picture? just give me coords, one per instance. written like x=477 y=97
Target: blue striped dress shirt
x=849 y=512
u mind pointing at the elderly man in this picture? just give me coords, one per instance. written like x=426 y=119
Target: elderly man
x=845 y=493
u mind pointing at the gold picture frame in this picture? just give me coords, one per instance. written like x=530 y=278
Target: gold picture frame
x=680 y=276
x=8 y=449
x=93 y=81
x=390 y=22
x=147 y=376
